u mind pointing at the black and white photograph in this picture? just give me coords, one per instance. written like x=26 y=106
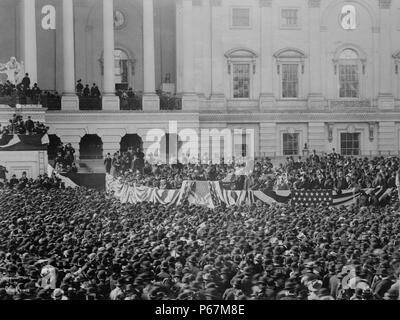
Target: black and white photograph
x=217 y=151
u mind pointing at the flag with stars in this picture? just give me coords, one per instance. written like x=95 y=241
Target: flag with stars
x=309 y=198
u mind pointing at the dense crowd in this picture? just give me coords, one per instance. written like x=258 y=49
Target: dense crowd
x=64 y=161
x=83 y=244
x=17 y=125
x=131 y=167
x=41 y=182
x=327 y=171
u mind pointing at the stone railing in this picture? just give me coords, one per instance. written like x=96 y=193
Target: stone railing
x=50 y=100
x=130 y=103
x=170 y=102
x=90 y=103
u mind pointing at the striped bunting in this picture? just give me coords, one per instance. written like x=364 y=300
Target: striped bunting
x=212 y=194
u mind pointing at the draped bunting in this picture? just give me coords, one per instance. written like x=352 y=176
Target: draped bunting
x=211 y=194
x=134 y=194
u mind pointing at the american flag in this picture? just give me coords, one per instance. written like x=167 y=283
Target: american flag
x=312 y=197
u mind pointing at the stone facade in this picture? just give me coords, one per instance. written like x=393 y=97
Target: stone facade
x=198 y=44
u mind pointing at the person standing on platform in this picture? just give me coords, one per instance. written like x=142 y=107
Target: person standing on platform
x=107 y=163
x=29 y=125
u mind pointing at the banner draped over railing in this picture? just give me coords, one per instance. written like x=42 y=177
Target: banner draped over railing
x=211 y=194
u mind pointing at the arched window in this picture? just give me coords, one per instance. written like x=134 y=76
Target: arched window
x=121 y=61
x=241 y=68
x=349 y=74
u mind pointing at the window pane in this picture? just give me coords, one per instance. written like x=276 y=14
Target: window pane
x=290 y=144
x=241 y=17
x=289 y=17
x=120 y=66
x=290 y=81
x=350 y=143
x=241 y=80
x=348 y=81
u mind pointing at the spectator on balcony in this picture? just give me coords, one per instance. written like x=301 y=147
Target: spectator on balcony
x=86 y=91
x=94 y=91
x=79 y=87
x=22 y=93
x=130 y=93
x=35 y=92
x=26 y=82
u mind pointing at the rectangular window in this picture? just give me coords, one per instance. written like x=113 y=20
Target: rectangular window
x=290 y=81
x=348 y=81
x=290 y=144
x=290 y=18
x=241 y=17
x=350 y=144
x=241 y=80
x=240 y=144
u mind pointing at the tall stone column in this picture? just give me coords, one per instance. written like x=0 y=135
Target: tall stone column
x=268 y=141
x=218 y=65
x=207 y=60
x=267 y=99
x=29 y=47
x=69 y=99
x=110 y=100
x=317 y=137
x=189 y=98
x=151 y=101
x=315 y=97
x=385 y=97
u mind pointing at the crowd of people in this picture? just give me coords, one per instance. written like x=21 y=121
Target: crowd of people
x=64 y=161
x=132 y=167
x=41 y=182
x=22 y=90
x=17 y=125
x=327 y=171
x=81 y=244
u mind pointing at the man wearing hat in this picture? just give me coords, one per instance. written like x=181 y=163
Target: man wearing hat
x=79 y=87
x=384 y=283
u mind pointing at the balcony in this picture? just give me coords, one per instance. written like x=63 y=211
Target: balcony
x=50 y=100
x=169 y=102
x=131 y=103
x=88 y=103
x=19 y=98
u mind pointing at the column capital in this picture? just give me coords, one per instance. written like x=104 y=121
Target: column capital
x=216 y=3
x=385 y=4
x=265 y=3
x=314 y=3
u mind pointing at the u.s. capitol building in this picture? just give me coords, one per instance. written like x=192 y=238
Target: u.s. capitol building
x=319 y=72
